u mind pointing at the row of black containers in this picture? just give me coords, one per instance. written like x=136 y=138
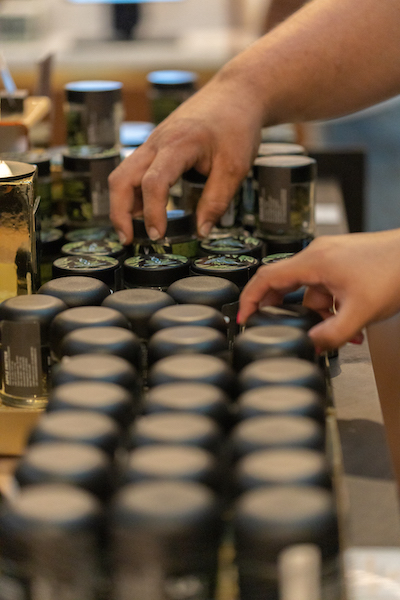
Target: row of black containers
x=168 y=443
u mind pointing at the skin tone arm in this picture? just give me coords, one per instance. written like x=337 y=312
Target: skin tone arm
x=279 y=10
x=361 y=272
x=331 y=57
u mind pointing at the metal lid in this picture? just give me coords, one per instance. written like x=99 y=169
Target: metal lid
x=97 y=367
x=155 y=270
x=302 y=169
x=102 y=397
x=282 y=371
x=270 y=341
x=98 y=248
x=295 y=315
x=172 y=78
x=175 y=428
x=101 y=267
x=281 y=400
x=234 y=244
x=32 y=157
x=107 y=339
x=76 y=290
x=11 y=170
x=204 y=289
x=277 y=148
x=179 y=223
x=92 y=90
x=138 y=305
x=187 y=339
x=77 y=464
x=78 y=159
x=83 y=316
x=187 y=314
x=194 y=368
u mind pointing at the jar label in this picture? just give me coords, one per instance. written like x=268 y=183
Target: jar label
x=21 y=359
x=274 y=201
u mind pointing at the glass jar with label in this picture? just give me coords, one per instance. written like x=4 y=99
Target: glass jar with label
x=85 y=185
x=167 y=90
x=286 y=196
x=93 y=112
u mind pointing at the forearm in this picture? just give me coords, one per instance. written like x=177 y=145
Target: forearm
x=331 y=57
x=279 y=10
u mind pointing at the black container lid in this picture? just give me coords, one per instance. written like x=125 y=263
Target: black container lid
x=233 y=244
x=104 y=340
x=102 y=397
x=16 y=170
x=268 y=519
x=199 y=398
x=273 y=432
x=281 y=400
x=76 y=290
x=138 y=305
x=236 y=268
x=286 y=466
x=32 y=157
x=83 y=316
x=204 y=289
x=199 y=368
x=302 y=169
x=187 y=314
x=77 y=464
x=282 y=371
x=104 y=247
x=41 y=509
x=294 y=315
x=170 y=462
x=186 y=340
x=91 y=234
x=170 y=78
x=270 y=341
x=33 y=308
x=97 y=367
x=179 y=223
x=155 y=270
x=78 y=159
x=182 y=428
x=84 y=91
x=100 y=267
x=84 y=427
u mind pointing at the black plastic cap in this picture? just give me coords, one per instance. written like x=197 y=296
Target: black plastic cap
x=179 y=223
x=294 y=315
x=204 y=289
x=283 y=371
x=100 y=267
x=77 y=290
x=236 y=268
x=155 y=270
x=188 y=314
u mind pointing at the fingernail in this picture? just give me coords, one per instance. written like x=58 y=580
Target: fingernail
x=153 y=234
x=121 y=237
x=238 y=317
x=357 y=339
x=204 y=228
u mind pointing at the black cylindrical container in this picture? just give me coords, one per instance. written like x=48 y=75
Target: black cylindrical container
x=104 y=247
x=170 y=462
x=276 y=432
x=180 y=236
x=156 y=271
x=97 y=367
x=283 y=371
x=77 y=464
x=105 y=268
x=77 y=426
x=281 y=400
x=294 y=315
x=286 y=466
x=104 y=340
x=167 y=90
x=50 y=244
x=188 y=314
x=50 y=537
x=76 y=290
x=270 y=341
x=236 y=268
x=238 y=244
x=267 y=520
x=278 y=247
x=102 y=397
x=195 y=368
x=186 y=340
x=85 y=186
x=83 y=316
x=200 y=398
x=25 y=323
x=138 y=306
x=186 y=429
x=164 y=540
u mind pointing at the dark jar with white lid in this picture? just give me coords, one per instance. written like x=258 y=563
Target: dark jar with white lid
x=236 y=268
x=157 y=271
x=105 y=268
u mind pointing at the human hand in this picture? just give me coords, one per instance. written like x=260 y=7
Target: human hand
x=216 y=131
x=352 y=280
